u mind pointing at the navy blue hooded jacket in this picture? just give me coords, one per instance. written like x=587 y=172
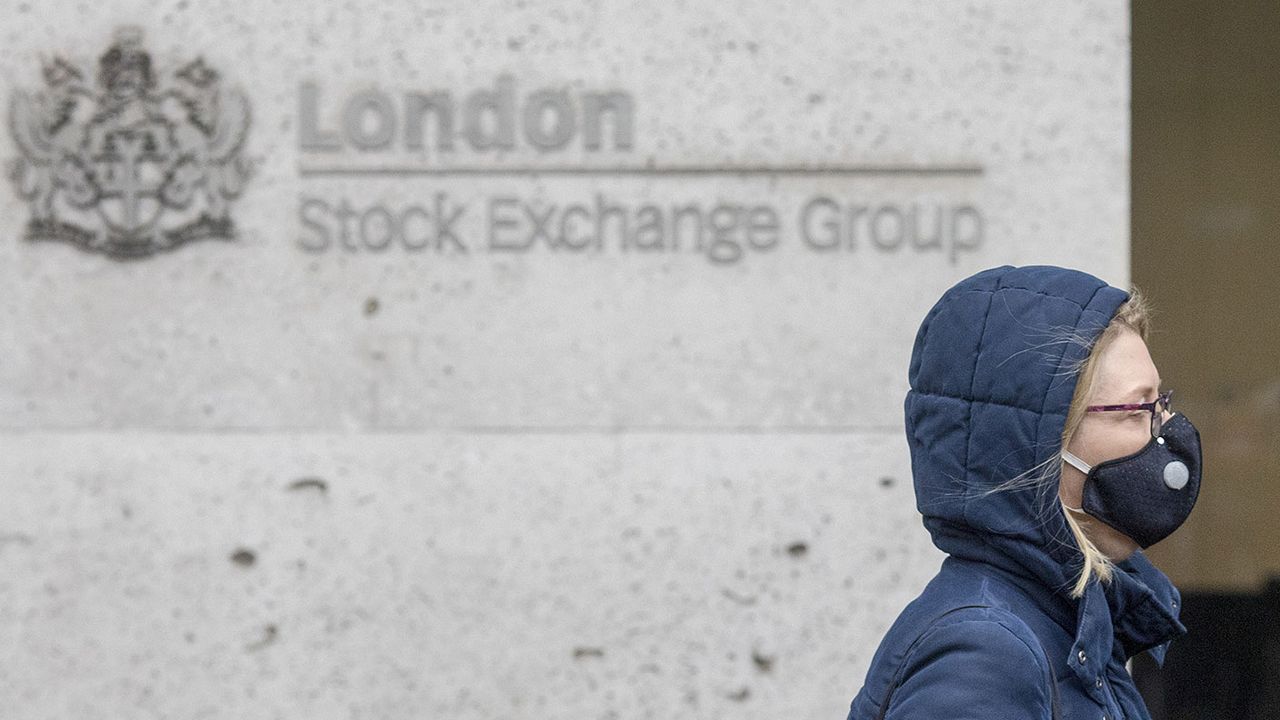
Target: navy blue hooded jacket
x=991 y=381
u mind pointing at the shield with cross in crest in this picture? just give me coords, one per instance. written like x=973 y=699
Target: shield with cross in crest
x=130 y=167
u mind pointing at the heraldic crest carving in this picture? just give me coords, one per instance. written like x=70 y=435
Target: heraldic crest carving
x=133 y=162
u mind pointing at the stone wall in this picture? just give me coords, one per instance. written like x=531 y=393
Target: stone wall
x=507 y=359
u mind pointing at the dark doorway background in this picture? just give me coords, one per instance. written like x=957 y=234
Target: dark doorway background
x=1205 y=193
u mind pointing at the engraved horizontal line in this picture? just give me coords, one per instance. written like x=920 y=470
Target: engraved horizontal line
x=473 y=429
x=710 y=170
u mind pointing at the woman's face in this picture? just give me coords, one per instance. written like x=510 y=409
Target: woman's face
x=1124 y=374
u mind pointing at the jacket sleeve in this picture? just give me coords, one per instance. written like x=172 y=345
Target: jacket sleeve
x=973 y=670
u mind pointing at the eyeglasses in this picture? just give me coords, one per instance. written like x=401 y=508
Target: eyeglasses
x=1157 y=407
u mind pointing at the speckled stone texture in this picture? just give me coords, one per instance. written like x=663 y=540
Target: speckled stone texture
x=354 y=464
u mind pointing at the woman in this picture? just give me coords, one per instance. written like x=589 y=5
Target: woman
x=1044 y=456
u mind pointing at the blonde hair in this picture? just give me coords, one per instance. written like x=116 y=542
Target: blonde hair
x=1133 y=315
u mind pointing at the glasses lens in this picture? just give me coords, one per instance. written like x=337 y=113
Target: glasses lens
x=1162 y=406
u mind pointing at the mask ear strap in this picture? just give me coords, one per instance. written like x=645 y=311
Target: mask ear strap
x=1075 y=462
x=1078 y=464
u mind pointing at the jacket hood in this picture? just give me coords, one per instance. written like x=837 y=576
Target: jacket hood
x=991 y=380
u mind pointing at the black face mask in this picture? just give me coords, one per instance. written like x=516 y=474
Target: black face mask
x=1148 y=494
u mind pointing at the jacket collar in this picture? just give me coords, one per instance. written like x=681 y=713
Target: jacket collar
x=1144 y=608
x=1137 y=611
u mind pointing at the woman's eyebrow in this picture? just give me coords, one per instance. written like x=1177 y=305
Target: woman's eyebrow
x=1144 y=390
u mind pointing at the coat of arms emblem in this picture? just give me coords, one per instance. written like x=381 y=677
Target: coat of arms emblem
x=132 y=162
